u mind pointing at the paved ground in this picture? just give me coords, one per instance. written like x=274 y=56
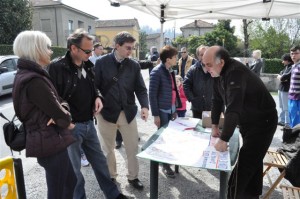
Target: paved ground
x=190 y=183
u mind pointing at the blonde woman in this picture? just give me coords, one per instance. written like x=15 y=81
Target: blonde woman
x=257 y=64
x=46 y=120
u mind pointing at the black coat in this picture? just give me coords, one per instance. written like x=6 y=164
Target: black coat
x=42 y=140
x=285 y=79
x=120 y=96
x=197 y=87
x=247 y=100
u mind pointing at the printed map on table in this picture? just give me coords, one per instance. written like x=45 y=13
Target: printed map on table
x=186 y=147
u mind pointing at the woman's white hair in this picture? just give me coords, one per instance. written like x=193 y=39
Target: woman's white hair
x=32 y=45
x=258 y=53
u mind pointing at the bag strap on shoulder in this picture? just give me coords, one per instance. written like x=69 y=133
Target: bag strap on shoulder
x=115 y=78
x=1 y=115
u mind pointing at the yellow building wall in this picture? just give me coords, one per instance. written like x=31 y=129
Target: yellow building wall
x=107 y=35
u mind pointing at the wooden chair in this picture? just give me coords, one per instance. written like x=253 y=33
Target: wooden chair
x=276 y=160
x=290 y=192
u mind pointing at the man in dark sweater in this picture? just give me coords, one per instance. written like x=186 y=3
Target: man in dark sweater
x=73 y=77
x=249 y=105
x=119 y=79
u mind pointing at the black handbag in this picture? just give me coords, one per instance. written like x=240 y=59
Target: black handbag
x=14 y=135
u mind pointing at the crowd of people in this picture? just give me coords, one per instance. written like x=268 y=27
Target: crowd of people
x=59 y=100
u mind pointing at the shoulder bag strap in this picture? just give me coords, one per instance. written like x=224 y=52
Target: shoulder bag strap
x=115 y=78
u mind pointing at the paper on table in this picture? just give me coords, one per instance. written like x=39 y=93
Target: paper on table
x=189 y=148
x=183 y=123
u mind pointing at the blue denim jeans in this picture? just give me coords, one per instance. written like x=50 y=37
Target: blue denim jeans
x=87 y=138
x=283 y=104
x=294 y=111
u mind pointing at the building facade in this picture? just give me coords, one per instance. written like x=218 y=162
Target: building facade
x=106 y=30
x=58 y=20
x=197 y=28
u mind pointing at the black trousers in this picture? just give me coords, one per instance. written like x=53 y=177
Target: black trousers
x=119 y=137
x=60 y=176
x=246 y=179
x=197 y=114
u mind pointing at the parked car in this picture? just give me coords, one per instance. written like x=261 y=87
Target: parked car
x=8 y=70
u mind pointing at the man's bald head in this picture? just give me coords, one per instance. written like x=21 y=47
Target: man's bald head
x=214 y=60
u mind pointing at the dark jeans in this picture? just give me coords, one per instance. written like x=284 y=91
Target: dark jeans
x=87 y=138
x=60 y=176
x=181 y=113
x=164 y=119
x=246 y=179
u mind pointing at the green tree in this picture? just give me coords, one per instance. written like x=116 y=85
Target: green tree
x=272 y=40
x=180 y=42
x=222 y=35
x=142 y=45
x=194 y=42
x=15 y=17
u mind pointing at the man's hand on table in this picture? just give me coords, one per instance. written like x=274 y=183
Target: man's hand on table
x=221 y=145
x=215 y=131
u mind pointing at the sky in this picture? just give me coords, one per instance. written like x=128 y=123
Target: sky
x=103 y=10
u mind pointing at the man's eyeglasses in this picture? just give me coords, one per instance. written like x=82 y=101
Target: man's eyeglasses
x=183 y=52
x=294 y=53
x=129 y=48
x=85 y=51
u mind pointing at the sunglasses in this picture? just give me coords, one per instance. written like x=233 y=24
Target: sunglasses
x=85 y=51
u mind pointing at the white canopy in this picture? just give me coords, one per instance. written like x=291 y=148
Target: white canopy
x=166 y=10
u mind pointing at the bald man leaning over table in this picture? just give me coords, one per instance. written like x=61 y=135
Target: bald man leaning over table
x=249 y=105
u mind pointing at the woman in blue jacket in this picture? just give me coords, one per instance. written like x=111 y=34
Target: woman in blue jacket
x=163 y=93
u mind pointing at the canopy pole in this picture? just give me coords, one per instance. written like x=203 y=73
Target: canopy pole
x=162 y=21
x=161 y=35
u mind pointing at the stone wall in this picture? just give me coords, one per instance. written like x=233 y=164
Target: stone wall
x=270 y=81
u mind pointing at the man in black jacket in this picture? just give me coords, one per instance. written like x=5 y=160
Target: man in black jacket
x=249 y=105
x=119 y=79
x=197 y=85
x=73 y=77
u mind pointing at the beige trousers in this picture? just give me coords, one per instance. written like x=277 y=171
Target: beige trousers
x=107 y=135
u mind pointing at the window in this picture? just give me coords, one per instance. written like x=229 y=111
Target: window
x=9 y=64
x=80 y=24
x=46 y=25
x=89 y=29
x=70 y=26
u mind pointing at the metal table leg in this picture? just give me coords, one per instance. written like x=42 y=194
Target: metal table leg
x=223 y=184
x=153 y=180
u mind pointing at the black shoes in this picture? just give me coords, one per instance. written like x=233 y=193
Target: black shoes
x=118 y=144
x=121 y=196
x=136 y=183
x=168 y=171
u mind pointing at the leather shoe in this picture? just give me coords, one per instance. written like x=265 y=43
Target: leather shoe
x=136 y=183
x=118 y=144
